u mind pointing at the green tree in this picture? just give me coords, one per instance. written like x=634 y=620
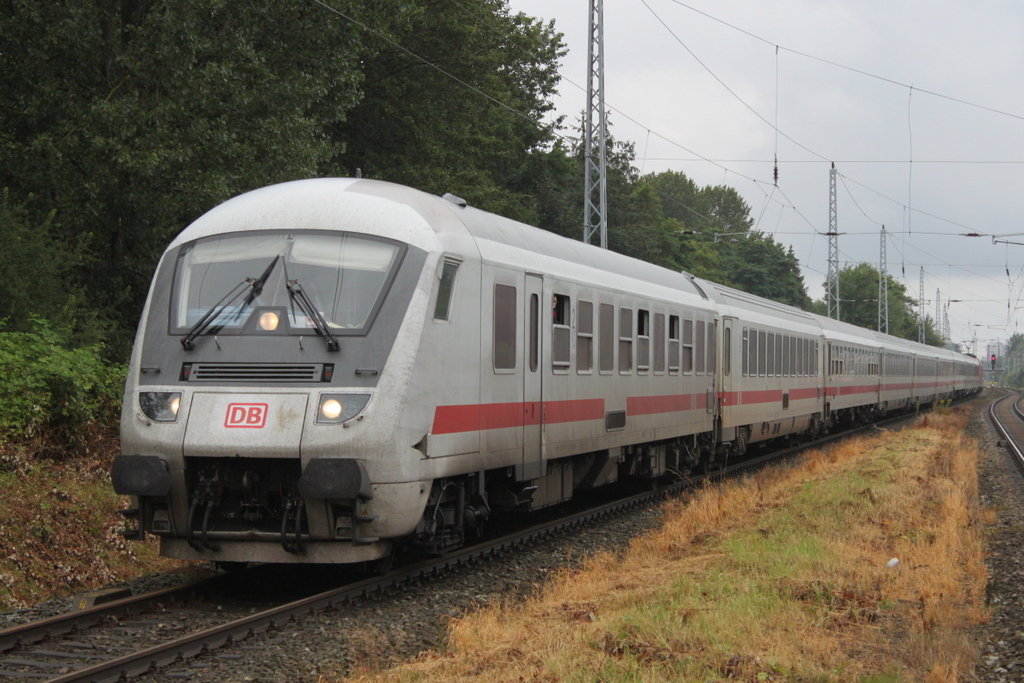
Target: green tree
x=459 y=107
x=36 y=276
x=858 y=293
x=127 y=119
x=720 y=243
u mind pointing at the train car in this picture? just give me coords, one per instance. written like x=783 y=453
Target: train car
x=771 y=375
x=325 y=366
x=328 y=369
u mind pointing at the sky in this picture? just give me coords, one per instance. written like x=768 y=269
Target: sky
x=920 y=105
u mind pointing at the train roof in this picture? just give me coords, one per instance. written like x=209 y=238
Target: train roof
x=448 y=225
x=434 y=224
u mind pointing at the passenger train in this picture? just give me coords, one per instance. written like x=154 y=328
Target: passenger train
x=330 y=369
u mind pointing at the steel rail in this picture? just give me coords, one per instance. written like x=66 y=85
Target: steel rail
x=34 y=631
x=187 y=647
x=1008 y=439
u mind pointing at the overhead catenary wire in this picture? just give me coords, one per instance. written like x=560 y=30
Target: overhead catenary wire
x=767 y=188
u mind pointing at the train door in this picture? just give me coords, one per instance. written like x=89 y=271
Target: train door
x=728 y=394
x=532 y=376
x=712 y=403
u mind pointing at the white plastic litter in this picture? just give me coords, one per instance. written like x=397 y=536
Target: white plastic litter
x=893 y=562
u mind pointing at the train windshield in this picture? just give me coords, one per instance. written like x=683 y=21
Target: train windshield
x=230 y=277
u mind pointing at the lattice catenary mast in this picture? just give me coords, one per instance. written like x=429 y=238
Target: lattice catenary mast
x=920 y=309
x=595 y=183
x=832 y=284
x=883 y=288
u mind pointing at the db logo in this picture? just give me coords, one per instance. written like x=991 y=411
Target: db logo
x=246 y=415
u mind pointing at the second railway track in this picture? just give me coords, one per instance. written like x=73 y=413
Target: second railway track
x=1008 y=418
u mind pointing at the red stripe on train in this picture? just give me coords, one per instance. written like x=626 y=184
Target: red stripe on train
x=475 y=418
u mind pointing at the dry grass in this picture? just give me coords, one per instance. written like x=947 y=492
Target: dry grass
x=59 y=526
x=782 y=576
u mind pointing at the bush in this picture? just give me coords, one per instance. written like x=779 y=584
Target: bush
x=49 y=387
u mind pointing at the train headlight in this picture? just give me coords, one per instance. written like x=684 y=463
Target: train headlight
x=335 y=408
x=160 y=406
x=269 y=321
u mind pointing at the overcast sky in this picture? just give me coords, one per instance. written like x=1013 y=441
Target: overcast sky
x=927 y=167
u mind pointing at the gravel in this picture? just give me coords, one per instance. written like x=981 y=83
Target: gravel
x=390 y=628
x=1001 y=486
x=139 y=586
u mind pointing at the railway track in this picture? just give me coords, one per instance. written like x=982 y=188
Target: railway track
x=1008 y=417
x=148 y=633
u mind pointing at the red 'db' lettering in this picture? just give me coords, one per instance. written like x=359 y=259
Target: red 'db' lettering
x=246 y=415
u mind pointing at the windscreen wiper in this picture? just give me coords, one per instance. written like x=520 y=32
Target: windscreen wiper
x=255 y=288
x=298 y=296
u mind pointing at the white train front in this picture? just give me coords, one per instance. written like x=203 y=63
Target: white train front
x=328 y=369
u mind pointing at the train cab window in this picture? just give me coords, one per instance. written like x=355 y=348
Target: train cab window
x=504 y=327
x=687 y=346
x=625 y=340
x=699 y=347
x=673 y=344
x=560 y=307
x=762 y=352
x=771 y=354
x=659 y=343
x=442 y=307
x=585 y=337
x=643 y=341
x=606 y=330
x=785 y=355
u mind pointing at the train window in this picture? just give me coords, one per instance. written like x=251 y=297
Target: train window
x=560 y=308
x=442 y=307
x=687 y=346
x=673 y=344
x=727 y=351
x=643 y=341
x=745 y=352
x=762 y=349
x=625 y=340
x=778 y=355
x=606 y=328
x=816 y=361
x=585 y=337
x=752 y=354
x=711 y=347
x=792 y=357
x=785 y=355
x=659 y=342
x=799 y=369
x=698 y=350
x=771 y=354
x=534 y=332
x=504 y=327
